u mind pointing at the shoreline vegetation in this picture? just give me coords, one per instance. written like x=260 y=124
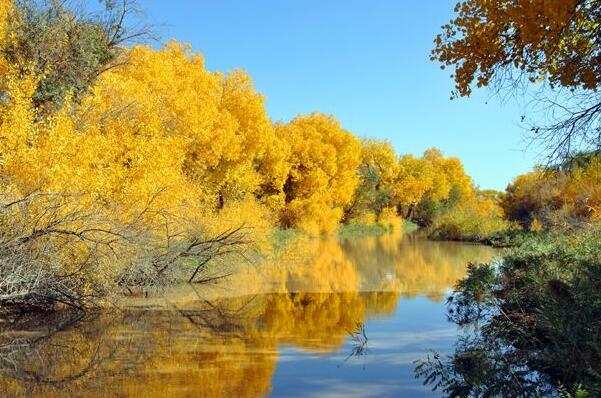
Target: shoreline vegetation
x=116 y=176
x=531 y=318
x=125 y=168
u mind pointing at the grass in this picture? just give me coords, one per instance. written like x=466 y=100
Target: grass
x=358 y=230
x=282 y=237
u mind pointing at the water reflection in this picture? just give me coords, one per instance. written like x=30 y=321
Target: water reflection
x=236 y=338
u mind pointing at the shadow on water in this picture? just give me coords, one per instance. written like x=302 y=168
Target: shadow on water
x=310 y=307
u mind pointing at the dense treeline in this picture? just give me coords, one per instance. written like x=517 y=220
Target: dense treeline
x=136 y=167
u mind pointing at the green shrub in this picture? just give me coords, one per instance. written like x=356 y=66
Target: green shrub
x=468 y=222
x=538 y=313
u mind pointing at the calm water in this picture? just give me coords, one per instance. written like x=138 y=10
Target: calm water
x=323 y=319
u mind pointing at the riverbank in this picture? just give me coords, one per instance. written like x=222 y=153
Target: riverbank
x=281 y=237
x=537 y=309
x=502 y=239
x=359 y=230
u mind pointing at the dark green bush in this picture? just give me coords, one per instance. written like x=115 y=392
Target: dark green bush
x=538 y=313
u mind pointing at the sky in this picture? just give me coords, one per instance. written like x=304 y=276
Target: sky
x=365 y=62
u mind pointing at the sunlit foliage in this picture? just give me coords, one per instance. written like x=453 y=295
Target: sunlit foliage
x=430 y=178
x=160 y=123
x=554 y=40
x=435 y=191
x=414 y=179
x=473 y=218
x=516 y=43
x=322 y=176
x=556 y=198
x=377 y=171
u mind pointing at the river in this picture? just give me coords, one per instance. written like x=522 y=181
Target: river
x=323 y=318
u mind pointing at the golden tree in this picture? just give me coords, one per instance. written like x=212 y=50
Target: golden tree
x=322 y=176
x=377 y=172
x=556 y=41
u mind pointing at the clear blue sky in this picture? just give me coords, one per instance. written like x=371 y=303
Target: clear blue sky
x=366 y=62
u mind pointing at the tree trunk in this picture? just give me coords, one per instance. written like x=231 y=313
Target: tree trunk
x=410 y=212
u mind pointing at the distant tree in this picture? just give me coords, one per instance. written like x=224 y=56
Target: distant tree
x=427 y=183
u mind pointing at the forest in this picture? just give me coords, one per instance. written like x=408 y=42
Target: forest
x=127 y=167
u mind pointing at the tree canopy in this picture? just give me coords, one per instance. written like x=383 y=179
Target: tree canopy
x=511 y=41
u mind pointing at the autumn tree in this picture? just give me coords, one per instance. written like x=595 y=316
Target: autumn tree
x=568 y=196
x=430 y=179
x=160 y=122
x=120 y=155
x=414 y=179
x=511 y=41
x=377 y=172
x=532 y=197
x=265 y=153
x=67 y=45
x=448 y=174
x=322 y=177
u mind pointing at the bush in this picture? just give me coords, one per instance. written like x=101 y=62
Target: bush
x=56 y=249
x=389 y=218
x=538 y=313
x=475 y=221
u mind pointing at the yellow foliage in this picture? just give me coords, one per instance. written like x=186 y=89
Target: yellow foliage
x=322 y=176
x=160 y=128
x=16 y=120
x=380 y=156
x=161 y=131
x=536 y=225
x=583 y=192
x=415 y=178
x=448 y=173
x=255 y=219
x=556 y=198
x=474 y=218
x=556 y=41
x=6 y=8
x=366 y=218
x=389 y=218
x=432 y=176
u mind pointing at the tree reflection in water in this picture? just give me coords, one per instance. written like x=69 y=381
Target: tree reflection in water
x=202 y=343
